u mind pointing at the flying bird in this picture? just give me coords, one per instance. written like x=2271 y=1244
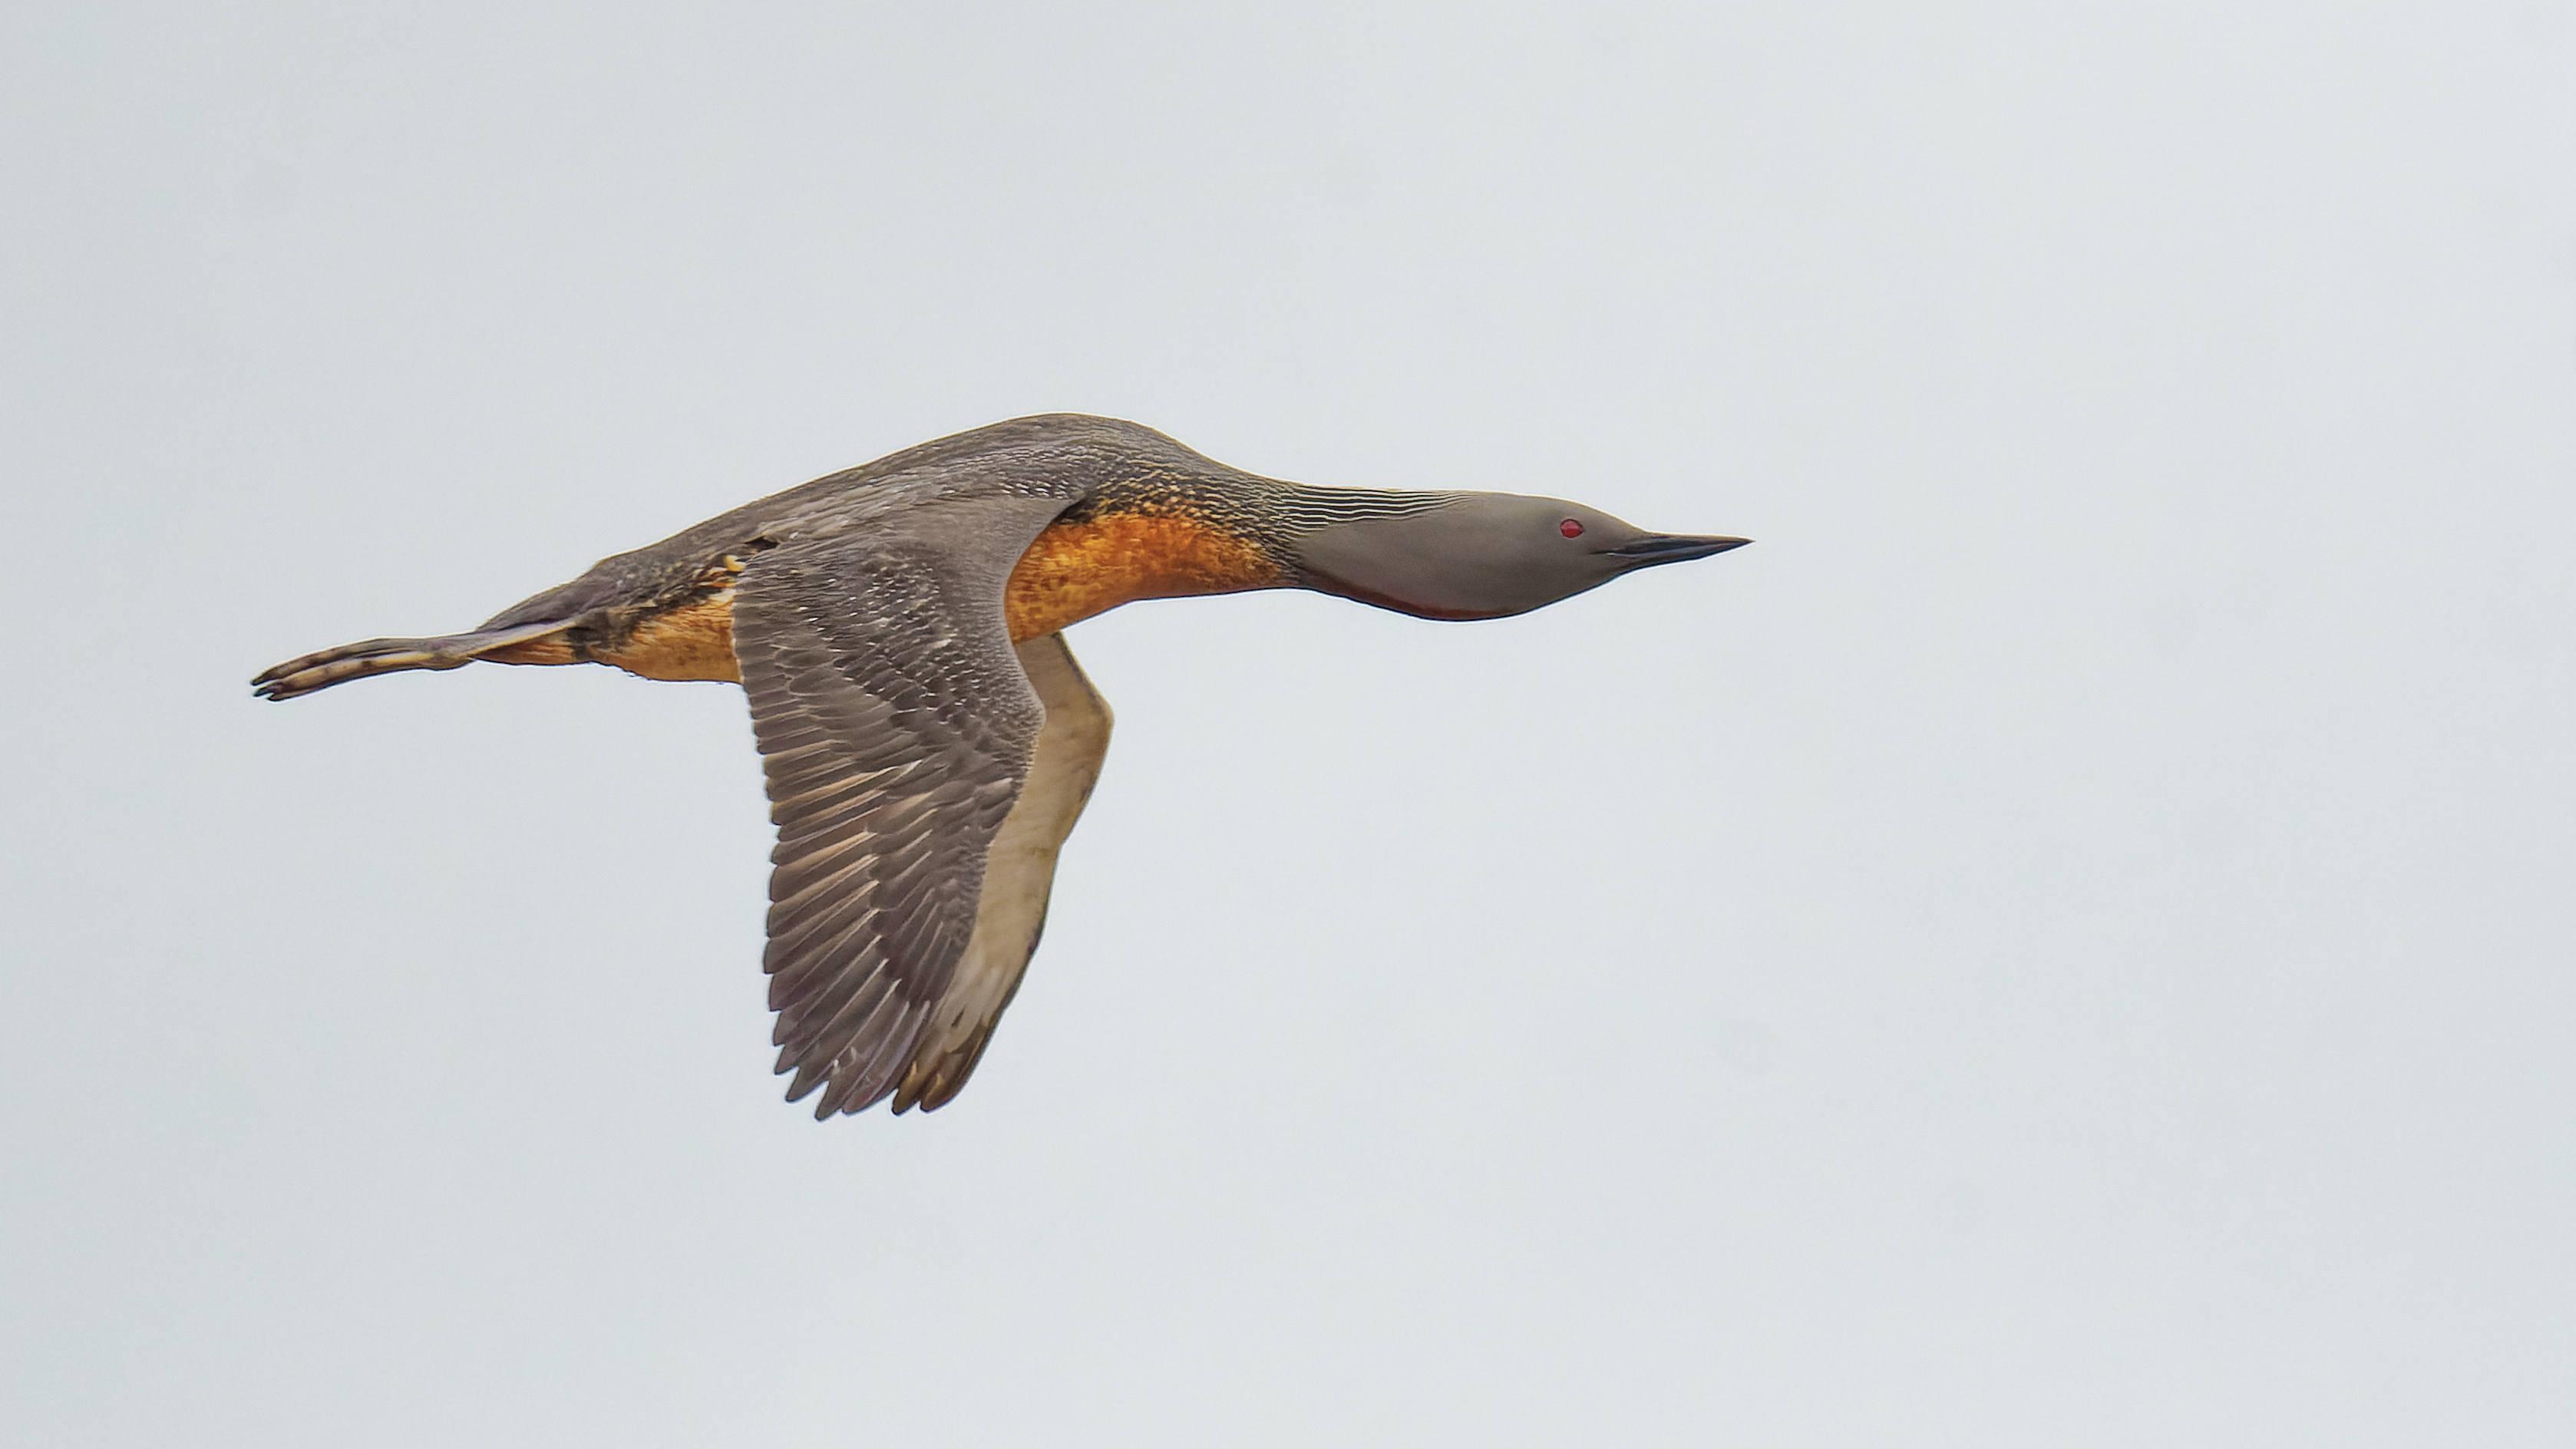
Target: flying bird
x=927 y=737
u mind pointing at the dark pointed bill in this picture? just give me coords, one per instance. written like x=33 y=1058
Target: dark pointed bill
x=1663 y=548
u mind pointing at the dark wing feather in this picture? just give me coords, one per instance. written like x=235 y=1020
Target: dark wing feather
x=896 y=728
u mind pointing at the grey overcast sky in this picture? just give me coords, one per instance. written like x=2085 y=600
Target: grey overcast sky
x=2066 y=942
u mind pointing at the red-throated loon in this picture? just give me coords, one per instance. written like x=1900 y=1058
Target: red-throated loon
x=928 y=738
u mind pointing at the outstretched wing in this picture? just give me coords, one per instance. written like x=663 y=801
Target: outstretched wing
x=896 y=726
x=1019 y=874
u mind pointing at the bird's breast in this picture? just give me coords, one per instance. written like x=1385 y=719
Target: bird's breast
x=1078 y=568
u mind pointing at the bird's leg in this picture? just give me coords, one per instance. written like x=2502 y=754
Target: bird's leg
x=388 y=656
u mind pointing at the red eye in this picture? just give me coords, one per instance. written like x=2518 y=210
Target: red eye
x=1570 y=528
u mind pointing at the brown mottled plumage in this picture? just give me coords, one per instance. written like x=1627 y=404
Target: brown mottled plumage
x=1075 y=569
x=928 y=739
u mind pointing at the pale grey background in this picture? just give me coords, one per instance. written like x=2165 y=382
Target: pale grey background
x=2067 y=942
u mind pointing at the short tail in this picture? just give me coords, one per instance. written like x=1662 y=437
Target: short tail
x=390 y=656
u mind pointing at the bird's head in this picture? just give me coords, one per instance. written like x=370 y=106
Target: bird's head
x=1483 y=555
